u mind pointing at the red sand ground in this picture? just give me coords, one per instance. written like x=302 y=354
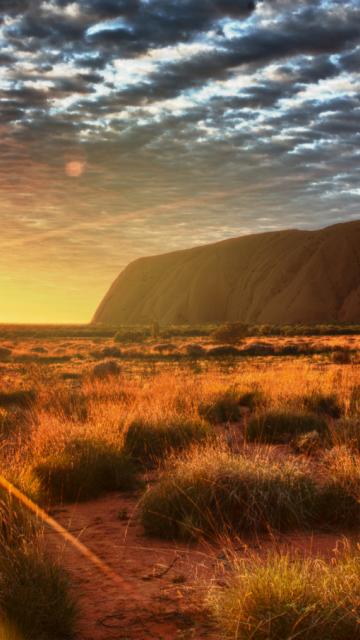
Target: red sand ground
x=164 y=582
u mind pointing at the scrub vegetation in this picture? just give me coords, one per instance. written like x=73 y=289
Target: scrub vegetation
x=241 y=433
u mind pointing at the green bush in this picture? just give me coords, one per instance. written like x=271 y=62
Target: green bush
x=279 y=428
x=84 y=470
x=287 y=599
x=148 y=442
x=213 y=493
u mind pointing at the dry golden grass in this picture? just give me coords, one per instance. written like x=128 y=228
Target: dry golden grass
x=165 y=388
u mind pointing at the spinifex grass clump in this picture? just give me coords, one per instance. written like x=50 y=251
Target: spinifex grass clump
x=287 y=599
x=68 y=404
x=347 y=432
x=34 y=596
x=323 y=404
x=278 y=428
x=149 y=441
x=227 y=406
x=212 y=492
x=83 y=470
x=21 y=398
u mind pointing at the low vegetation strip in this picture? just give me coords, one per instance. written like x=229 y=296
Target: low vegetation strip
x=212 y=492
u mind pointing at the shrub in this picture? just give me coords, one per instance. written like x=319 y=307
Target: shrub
x=107 y=352
x=289 y=350
x=21 y=398
x=279 y=428
x=226 y=406
x=195 y=350
x=214 y=492
x=149 y=442
x=132 y=335
x=224 y=351
x=342 y=356
x=258 y=349
x=253 y=399
x=83 y=470
x=320 y=403
x=230 y=332
x=106 y=369
x=284 y=599
x=165 y=346
x=5 y=353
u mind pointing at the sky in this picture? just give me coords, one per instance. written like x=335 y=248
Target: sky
x=136 y=127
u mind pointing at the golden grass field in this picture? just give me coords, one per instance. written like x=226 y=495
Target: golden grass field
x=220 y=492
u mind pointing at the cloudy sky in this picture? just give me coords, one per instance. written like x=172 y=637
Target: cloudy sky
x=133 y=127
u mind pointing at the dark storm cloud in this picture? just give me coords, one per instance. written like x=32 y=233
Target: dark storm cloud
x=155 y=23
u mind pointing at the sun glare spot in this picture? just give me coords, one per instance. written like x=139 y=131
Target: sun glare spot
x=74 y=168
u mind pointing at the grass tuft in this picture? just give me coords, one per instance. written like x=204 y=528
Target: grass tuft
x=278 y=428
x=287 y=599
x=22 y=398
x=149 y=442
x=34 y=595
x=84 y=470
x=323 y=404
x=227 y=406
x=212 y=492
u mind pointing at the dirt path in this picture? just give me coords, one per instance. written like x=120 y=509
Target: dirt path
x=164 y=582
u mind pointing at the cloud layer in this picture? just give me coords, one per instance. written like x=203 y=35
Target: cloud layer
x=131 y=127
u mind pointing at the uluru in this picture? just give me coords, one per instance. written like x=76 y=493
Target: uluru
x=290 y=276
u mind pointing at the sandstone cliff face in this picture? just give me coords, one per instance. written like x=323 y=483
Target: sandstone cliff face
x=279 y=277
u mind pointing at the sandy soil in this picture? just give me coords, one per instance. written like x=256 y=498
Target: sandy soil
x=161 y=595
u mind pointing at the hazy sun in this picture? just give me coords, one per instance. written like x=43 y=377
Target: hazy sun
x=74 y=168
